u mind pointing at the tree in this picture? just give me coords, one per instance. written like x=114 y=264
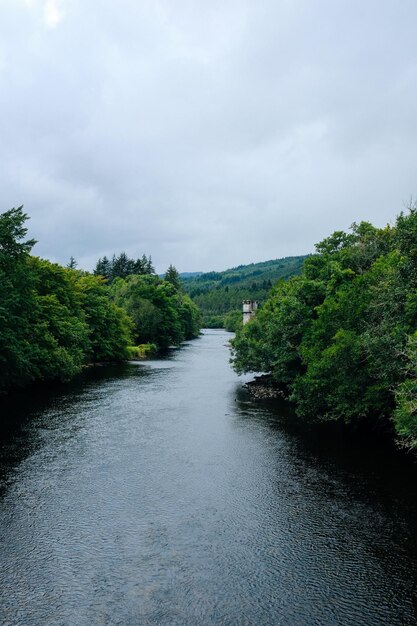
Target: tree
x=122 y=266
x=12 y=231
x=59 y=329
x=161 y=315
x=53 y=320
x=103 y=268
x=335 y=336
x=172 y=276
x=109 y=327
x=17 y=303
x=233 y=321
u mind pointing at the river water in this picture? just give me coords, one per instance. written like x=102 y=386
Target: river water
x=158 y=493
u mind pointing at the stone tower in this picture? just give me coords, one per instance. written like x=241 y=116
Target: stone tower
x=249 y=310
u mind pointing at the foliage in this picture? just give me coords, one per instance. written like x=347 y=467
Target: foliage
x=213 y=321
x=172 y=276
x=161 y=313
x=59 y=330
x=12 y=231
x=109 y=326
x=17 y=300
x=219 y=293
x=341 y=337
x=121 y=266
x=405 y=414
x=56 y=320
x=143 y=351
x=233 y=321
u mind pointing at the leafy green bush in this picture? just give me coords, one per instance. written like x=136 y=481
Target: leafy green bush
x=143 y=351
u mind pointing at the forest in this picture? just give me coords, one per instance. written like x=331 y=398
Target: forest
x=340 y=339
x=219 y=295
x=56 y=320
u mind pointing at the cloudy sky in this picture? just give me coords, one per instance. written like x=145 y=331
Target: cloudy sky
x=207 y=133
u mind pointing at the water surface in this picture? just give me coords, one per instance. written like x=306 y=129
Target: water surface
x=159 y=494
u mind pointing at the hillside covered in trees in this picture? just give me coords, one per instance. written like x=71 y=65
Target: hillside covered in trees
x=219 y=295
x=340 y=339
x=54 y=320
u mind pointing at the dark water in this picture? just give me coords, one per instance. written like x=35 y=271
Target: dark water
x=160 y=494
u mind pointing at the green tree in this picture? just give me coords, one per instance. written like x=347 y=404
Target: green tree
x=233 y=321
x=53 y=320
x=405 y=414
x=103 y=268
x=172 y=276
x=335 y=337
x=59 y=330
x=160 y=314
x=12 y=231
x=17 y=302
x=109 y=327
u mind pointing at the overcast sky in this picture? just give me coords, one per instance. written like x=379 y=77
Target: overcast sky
x=207 y=133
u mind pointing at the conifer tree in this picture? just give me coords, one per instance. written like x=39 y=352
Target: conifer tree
x=172 y=276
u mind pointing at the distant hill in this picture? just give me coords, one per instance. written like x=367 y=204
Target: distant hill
x=186 y=275
x=221 y=293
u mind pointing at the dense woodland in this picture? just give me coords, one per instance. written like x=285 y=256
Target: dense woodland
x=337 y=332
x=219 y=295
x=54 y=320
x=341 y=338
x=160 y=312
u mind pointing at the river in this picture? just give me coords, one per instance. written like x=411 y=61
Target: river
x=159 y=494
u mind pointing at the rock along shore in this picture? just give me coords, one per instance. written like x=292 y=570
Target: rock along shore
x=264 y=387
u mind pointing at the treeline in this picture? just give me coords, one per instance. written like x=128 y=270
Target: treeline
x=56 y=320
x=341 y=338
x=160 y=312
x=219 y=295
x=120 y=266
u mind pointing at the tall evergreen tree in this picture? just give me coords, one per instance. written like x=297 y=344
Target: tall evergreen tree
x=172 y=276
x=103 y=268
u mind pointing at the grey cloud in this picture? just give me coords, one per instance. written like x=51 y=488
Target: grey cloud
x=206 y=134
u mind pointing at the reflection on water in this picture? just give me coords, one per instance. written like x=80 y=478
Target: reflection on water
x=159 y=493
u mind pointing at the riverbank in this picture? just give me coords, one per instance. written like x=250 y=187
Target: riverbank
x=263 y=387
x=142 y=352
x=379 y=434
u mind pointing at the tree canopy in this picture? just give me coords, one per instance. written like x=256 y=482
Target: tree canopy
x=121 y=266
x=161 y=313
x=54 y=320
x=340 y=338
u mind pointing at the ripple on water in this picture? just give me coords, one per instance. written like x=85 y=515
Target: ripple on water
x=160 y=494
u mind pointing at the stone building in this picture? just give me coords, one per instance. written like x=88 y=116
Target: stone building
x=249 y=310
